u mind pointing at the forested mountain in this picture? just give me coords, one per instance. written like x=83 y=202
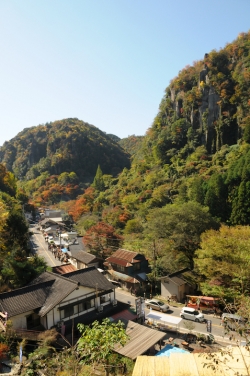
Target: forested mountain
x=131 y=144
x=191 y=171
x=189 y=174
x=58 y=159
x=198 y=146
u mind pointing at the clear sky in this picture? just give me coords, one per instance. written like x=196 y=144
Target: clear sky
x=106 y=62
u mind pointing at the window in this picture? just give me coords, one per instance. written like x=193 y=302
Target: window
x=137 y=266
x=120 y=268
x=67 y=312
x=103 y=299
x=72 y=310
x=86 y=305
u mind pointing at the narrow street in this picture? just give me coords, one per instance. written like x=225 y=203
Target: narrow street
x=40 y=247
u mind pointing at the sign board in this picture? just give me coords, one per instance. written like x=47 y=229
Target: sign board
x=140 y=307
x=209 y=326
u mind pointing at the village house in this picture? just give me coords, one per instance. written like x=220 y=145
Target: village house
x=81 y=259
x=127 y=268
x=51 y=227
x=177 y=285
x=52 y=299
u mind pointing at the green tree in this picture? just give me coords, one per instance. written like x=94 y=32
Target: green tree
x=182 y=225
x=98 y=182
x=241 y=204
x=216 y=197
x=223 y=261
x=97 y=342
x=18 y=270
x=133 y=226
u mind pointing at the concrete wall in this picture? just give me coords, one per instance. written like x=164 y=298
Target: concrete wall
x=19 y=321
x=168 y=289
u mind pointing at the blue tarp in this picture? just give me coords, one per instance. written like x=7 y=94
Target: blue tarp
x=64 y=250
x=169 y=349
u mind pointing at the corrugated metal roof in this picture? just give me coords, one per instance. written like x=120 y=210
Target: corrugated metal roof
x=122 y=277
x=125 y=314
x=125 y=255
x=117 y=261
x=233 y=361
x=140 y=340
x=178 y=281
x=62 y=269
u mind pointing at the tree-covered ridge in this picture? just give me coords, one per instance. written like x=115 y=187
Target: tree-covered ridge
x=15 y=268
x=131 y=144
x=69 y=146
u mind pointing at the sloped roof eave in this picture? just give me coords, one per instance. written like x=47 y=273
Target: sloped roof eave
x=52 y=306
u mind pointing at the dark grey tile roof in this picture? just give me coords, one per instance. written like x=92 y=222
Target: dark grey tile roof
x=49 y=289
x=61 y=288
x=76 y=246
x=90 y=277
x=25 y=299
x=85 y=257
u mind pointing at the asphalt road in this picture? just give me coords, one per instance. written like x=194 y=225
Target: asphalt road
x=40 y=247
x=217 y=329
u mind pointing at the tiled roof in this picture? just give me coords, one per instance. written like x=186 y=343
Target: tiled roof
x=76 y=246
x=25 y=299
x=85 y=257
x=62 y=287
x=90 y=277
x=49 y=289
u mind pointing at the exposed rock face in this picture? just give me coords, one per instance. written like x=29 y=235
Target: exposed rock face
x=213 y=119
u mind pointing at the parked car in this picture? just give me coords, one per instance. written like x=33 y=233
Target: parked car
x=192 y=314
x=233 y=322
x=157 y=304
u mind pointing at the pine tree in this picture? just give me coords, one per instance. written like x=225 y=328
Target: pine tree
x=98 y=182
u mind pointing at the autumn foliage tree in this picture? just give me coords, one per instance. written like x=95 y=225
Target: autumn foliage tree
x=101 y=239
x=3 y=350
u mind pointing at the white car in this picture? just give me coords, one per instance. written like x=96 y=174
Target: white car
x=156 y=304
x=192 y=314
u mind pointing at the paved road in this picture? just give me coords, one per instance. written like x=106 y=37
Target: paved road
x=217 y=329
x=40 y=247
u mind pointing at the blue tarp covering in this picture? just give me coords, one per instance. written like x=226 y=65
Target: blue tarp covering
x=64 y=250
x=169 y=349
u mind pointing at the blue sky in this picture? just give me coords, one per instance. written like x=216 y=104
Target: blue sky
x=106 y=62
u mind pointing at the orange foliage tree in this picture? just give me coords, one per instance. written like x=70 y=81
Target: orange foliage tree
x=102 y=240
x=3 y=350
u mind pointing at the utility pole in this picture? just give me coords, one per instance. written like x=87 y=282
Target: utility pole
x=154 y=259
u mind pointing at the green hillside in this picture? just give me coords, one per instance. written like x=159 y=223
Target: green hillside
x=61 y=154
